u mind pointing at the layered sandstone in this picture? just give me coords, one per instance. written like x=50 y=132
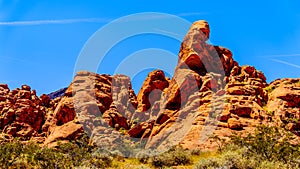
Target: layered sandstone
x=209 y=94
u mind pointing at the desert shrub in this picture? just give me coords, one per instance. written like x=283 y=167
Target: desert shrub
x=268 y=147
x=128 y=147
x=162 y=160
x=231 y=157
x=98 y=161
x=174 y=157
x=141 y=167
x=270 y=143
x=238 y=158
x=48 y=158
x=75 y=153
x=18 y=155
x=143 y=157
x=234 y=160
x=272 y=165
x=9 y=153
x=196 y=151
x=181 y=157
x=208 y=163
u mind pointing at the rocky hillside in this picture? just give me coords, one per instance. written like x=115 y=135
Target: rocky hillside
x=209 y=94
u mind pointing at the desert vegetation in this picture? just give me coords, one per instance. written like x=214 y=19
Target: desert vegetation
x=267 y=147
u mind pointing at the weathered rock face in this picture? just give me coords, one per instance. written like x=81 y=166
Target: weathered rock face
x=234 y=124
x=209 y=94
x=91 y=102
x=96 y=102
x=115 y=119
x=69 y=131
x=284 y=103
x=196 y=91
x=22 y=112
x=124 y=98
x=151 y=90
x=150 y=93
x=197 y=55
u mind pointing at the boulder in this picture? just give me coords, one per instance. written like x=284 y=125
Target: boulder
x=68 y=131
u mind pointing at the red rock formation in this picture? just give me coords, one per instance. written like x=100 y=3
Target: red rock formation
x=150 y=92
x=69 y=131
x=93 y=98
x=208 y=85
x=22 y=113
x=284 y=103
x=209 y=94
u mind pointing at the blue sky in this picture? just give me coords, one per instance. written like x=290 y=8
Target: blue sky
x=41 y=40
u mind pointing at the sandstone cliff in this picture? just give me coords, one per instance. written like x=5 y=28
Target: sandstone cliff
x=209 y=94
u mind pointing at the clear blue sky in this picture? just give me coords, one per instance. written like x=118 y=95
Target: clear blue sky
x=41 y=40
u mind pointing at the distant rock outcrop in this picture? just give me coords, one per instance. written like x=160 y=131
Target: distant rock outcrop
x=209 y=94
x=58 y=93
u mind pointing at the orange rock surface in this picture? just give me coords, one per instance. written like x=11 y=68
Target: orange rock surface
x=209 y=94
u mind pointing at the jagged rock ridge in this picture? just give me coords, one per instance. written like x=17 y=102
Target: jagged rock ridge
x=209 y=94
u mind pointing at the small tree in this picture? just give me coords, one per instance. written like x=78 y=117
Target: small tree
x=270 y=143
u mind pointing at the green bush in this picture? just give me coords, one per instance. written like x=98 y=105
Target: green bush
x=231 y=157
x=16 y=154
x=174 y=157
x=268 y=147
x=98 y=161
x=274 y=165
x=209 y=163
x=48 y=158
x=270 y=143
x=239 y=159
x=75 y=153
x=9 y=152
